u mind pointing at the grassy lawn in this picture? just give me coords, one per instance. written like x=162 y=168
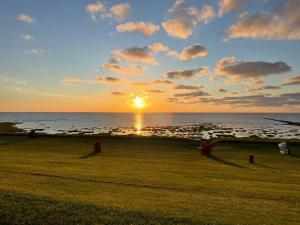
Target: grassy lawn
x=145 y=181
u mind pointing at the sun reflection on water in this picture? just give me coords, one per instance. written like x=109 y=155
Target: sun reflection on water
x=138 y=123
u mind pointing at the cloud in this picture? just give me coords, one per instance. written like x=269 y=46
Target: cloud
x=142 y=28
x=183 y=19
x=237 y=70
x=131 y=70
x=121 y=11
x=193 y=94
x=163 y=82
x=25 y=18
x=100 y=79
x=226 y=6
x=94 y=8
x=222 y=90
x=35 y=51
x=136 y=54
x=206 y=14
x=155 y=91
x=185 y=74
x=187 y=87
x=287 y=99
x=268 y=87
x=179 y=27
x=113 y=60
x=281 y=24
x=190 y=53
x=141 y=54
x=27 y=37
x=68 y=81
x=155 y=83
x=158 y=47
x=118 y=93
x=118 y=12
x=292 y=80
x=172 y=100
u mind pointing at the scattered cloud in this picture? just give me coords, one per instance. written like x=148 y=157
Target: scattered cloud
x=68 y=81
x=185 y=74
x=163 y=83
x=142 y=28
x=130 y=70
x=184 y=19
x=190 y=53
x=118 y=93
x=136 y=54
x=281 y=24
x=155 y=91
x=222 y=90
x=27 y=37
x=172 y=100
x=237 y=70
x=26 y=19
x=35 y=51
x=226 y=6
x=94 y=8
x=121 y=11
x=187 y=87
x=158 y=47
x=179 y=27
x=287 y=99
x=113 y=60
x=268 y=87
x=118 y=12
x=100 y=79
x=193 y=94
x=292 y=80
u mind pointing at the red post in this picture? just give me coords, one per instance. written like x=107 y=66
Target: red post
x=206 y=149
x=97 y=147
x=251 y=159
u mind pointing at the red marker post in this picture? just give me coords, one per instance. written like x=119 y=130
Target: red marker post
x=251 y=159
x=97 y=147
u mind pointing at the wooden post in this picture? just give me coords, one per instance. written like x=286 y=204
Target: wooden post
x=97 y=147
x=251 y=159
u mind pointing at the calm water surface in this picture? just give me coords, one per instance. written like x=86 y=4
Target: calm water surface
x=195 y=125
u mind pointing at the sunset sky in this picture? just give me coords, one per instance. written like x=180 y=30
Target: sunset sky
x=177 y=56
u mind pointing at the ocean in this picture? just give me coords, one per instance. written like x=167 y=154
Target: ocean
x=187 y=125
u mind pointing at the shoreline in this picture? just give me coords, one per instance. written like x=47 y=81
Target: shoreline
x=144 y=124
x=10 y=129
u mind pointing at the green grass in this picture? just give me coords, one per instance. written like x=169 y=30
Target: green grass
x=9 y=128
x=145 y=181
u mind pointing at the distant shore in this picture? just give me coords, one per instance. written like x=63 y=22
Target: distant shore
x=10 y=129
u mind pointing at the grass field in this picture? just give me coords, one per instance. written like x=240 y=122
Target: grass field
x=53 y=180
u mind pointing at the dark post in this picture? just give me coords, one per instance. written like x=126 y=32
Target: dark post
x=32 y=134
x=97 y=147
x=251 y=159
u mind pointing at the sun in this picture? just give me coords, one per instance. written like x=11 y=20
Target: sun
x=138 y=102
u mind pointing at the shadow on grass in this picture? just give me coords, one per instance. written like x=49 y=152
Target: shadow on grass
x=225 y=162
x=91 y=154
x=16 y=141
x=294 y=155
x=268 y=167
x=48 y=211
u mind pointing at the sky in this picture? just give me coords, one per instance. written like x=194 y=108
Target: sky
x=175 y=56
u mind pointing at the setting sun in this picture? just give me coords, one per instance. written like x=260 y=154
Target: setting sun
x=139 y=102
